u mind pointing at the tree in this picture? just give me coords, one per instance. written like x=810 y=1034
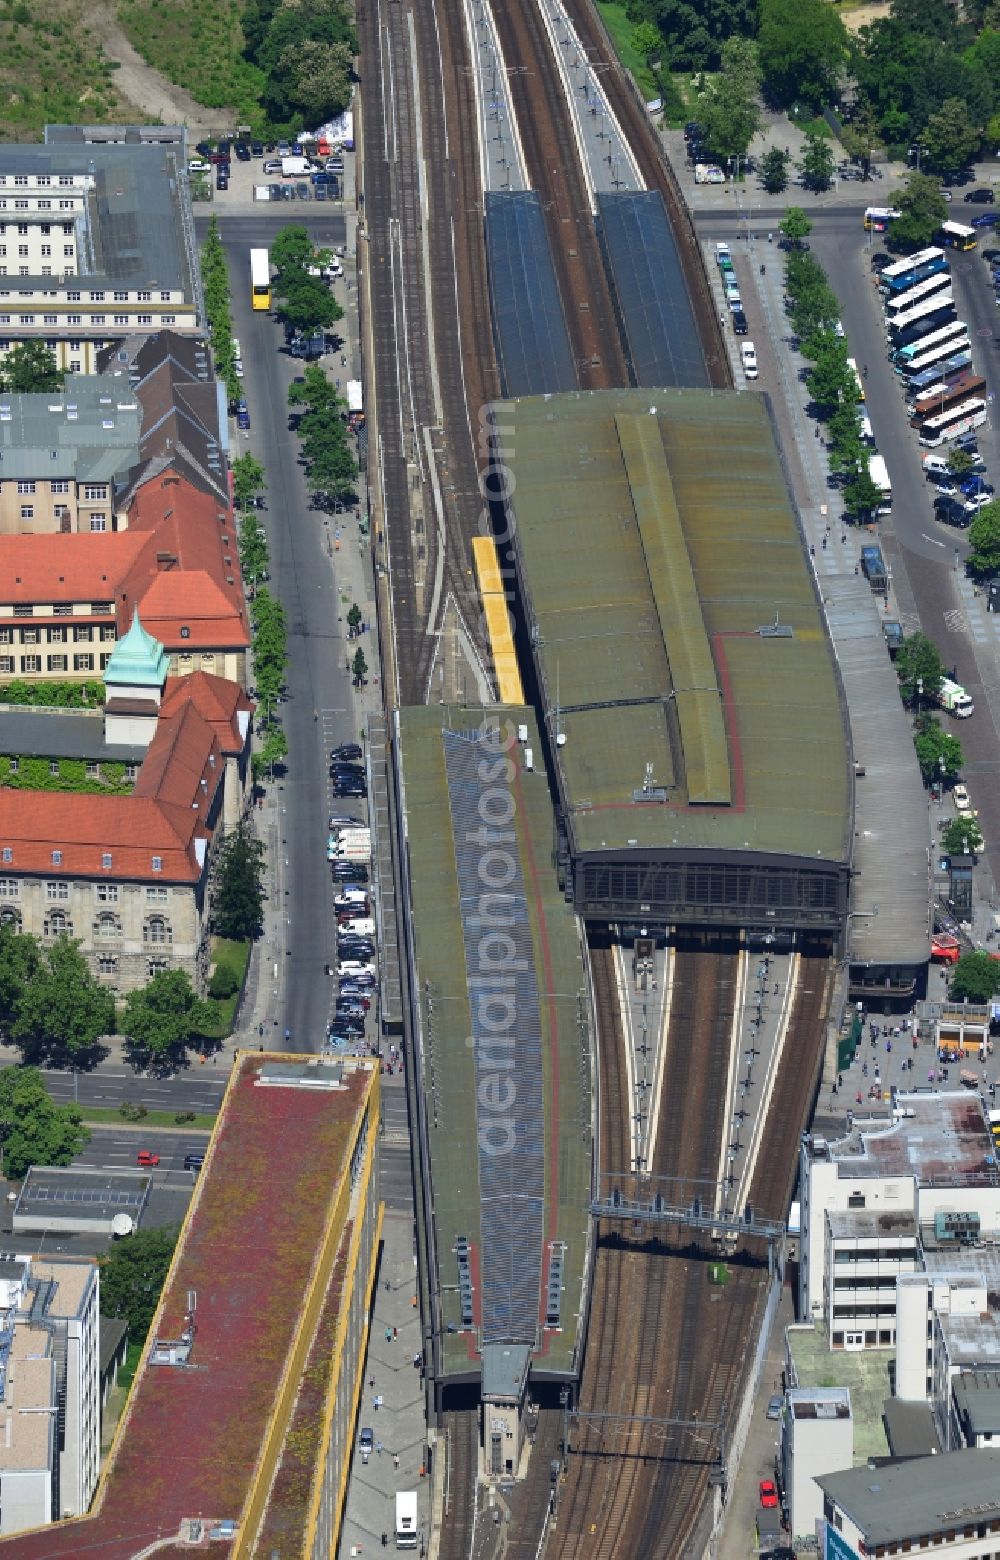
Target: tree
x=922 y=210
x=975 y=978
x=19 y=958
x=728 y=110
x=359 y=668
x=132 y=1277
x=273 y=750
x=254 y=554
x=307 y=302
x=332 y=466
x=803 y=48
x=862 y=495
x=292 y=249
x=773 y=169
x=270 y=648
x=962 y=837
x=314 y=78
x=30 y=368
x=960 y=462
x=830 y=381
x=817 y=163
x=238 y=902
x=248 y=479
x=33 y=1129
x=795 y=225
x=354 y=621
x=161 y=1017
x=62 y=1010
x=315 y=390
x=984 y=541
x=939 y=754
x=646 y=41
x=860 y=137
x=950 y=139
x=919 y=668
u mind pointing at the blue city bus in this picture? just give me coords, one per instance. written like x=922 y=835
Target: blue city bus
x=915 y=268
x=938 y=373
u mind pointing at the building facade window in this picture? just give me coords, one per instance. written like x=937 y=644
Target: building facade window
x=56 y=636
x=154 y=966
x=83 y=634
x=7 y=664
x=98 y=522
x=94 y=492
x=156 y=895
x=58 y=924
x=31 y=665
x=157 y=930
x=107 y=893
x=10 y=917
x=107 y=964
x=56 y=888
x=108 y=926
x=83 y=663
x=59 y=485
x=10 y=888
x=25 y=487
x=27 y=511
x=58 y=663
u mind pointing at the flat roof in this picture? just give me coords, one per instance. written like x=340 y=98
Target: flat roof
x=891 y=882
x=943 y=1139
x=676 y=624
x=923 y=1495
x=649 y=287
x=27 y=1414
x=88 y=432
x=63 y=734
x=866 y=1374
x=533 y=347
x=134 y=211
x=52 y=1195
x=192 y=1437
x=517 y=1196
x=971 y=1339
x=977 y=1398
x=910 y=1428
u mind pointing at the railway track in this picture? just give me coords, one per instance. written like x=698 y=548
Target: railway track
x=461 y=1430
x=648 y=1291
x=416 y=325
x=657 y=175
x=546 y=128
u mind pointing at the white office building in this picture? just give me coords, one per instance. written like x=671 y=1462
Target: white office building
x=50 y=1412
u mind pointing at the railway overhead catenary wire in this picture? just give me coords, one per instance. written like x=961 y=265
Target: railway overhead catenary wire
x=424 y=445
x=551 y=154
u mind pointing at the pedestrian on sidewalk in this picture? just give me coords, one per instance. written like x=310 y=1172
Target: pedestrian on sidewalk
x=395 y=1461
x=395 y=1334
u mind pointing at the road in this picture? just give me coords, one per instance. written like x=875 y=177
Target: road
x=198 y=1088
x=303 y=577
x=116 y=1148
x=926 y=558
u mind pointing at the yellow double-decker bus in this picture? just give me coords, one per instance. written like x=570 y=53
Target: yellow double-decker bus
x=260 y=279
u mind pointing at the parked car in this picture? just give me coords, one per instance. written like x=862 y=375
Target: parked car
x=990 y=255
x=147 y=1159
x=222 y=178
x=953 y=511
x=257 y=148
x=220 y=158
x=963 y=801
x=347 y=750
x=979 y=197
x=284 y=149
x=739 y=322
x=748 y=357
x=774 y=1406
x=350 y=788
x=986 y=219
x=302 y=191
x=242 y=150
x=345 y=821
x=272 y=166
x=193 y=1161
x=768 y=1494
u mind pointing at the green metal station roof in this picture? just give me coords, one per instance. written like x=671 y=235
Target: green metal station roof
x=440 y=980
x=675 y=623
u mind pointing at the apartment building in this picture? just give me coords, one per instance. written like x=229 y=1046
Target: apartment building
x=50 y=1379
x=65 y=459
x=63 y=606
x=128 y=875
x=96 y=241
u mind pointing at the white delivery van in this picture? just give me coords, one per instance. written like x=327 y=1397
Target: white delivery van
x=361 y=926
x=406 y=1519
x=295 y=167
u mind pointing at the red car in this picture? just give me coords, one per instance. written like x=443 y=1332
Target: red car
x=147 y=1158
x=768 y=1494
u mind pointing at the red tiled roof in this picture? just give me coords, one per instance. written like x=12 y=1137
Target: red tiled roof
x=190 y=578
x=80 y=567
x=166 y=815
x=218 y=700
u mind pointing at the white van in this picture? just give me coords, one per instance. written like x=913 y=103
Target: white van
x=354 y=967
x=748 y=357
x=361 y=926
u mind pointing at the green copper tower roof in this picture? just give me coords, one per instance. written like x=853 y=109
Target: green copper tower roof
x=137 y=661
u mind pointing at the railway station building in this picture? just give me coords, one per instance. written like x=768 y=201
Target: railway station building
x=691 y=707
x=501 y=1019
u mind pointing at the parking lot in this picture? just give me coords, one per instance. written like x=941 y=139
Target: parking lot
x=239 y=185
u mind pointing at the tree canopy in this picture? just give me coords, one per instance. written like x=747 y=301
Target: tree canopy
x=30 y=368
x=163 y=1017
x=939 y=754
x=817 y=163
x=984 y=541
x=922 y=209
x=132 y=1277
x=975 y=978
x=62 y=1010
x=803 y=48
x=962 y=836
x=33 y=1129
x=919 y=668
x=728 y=110
x=238 y=886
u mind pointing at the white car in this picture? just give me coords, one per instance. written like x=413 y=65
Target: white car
x=748 y=354
x=963 y=801
x=197 y=165
x=722 y=252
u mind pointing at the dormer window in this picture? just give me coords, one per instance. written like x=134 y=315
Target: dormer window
x=157 y=863
x=57 y=858
x=106 y=860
